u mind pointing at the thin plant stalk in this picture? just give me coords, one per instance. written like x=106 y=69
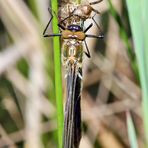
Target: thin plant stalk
x=131 y=131
x=58 y=77
x=139 y=26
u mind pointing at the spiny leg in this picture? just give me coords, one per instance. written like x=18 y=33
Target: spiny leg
x=95 y=2
x=94 y=36
x=100 y=31
x=44 y=32
x=96 y=12
x=53 y=35
x=61 y=26
x=87 y=53
x=88 y=27
x=90 y=36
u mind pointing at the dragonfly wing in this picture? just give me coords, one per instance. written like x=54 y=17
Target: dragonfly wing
x=72 y=120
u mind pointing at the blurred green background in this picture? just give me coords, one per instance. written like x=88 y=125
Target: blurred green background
x=114 y=115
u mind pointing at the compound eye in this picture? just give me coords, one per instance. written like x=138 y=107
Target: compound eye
x=87 y=9
x=66 y=34
x=74 y=28
x=80 y=35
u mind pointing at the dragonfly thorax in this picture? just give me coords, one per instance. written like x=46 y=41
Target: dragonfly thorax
x=72 y=51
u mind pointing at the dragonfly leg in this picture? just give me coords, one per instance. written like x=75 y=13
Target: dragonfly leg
x=87 y=53
x=52 y=35
x=61 y=26
x=44 y=32
x=100 y=31
x=94 y=36
x=88 y=27
x=95 y=2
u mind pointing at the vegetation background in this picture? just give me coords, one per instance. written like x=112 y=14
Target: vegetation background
x=113 y=112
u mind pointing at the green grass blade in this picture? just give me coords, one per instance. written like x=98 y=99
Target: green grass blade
x=139 y=25
x=58 y=77
x=125 y=38
x=131 y=131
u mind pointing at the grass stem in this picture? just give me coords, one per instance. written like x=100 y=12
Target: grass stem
x=58 y=77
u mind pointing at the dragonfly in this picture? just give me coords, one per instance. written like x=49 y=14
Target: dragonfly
x=73 y=36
